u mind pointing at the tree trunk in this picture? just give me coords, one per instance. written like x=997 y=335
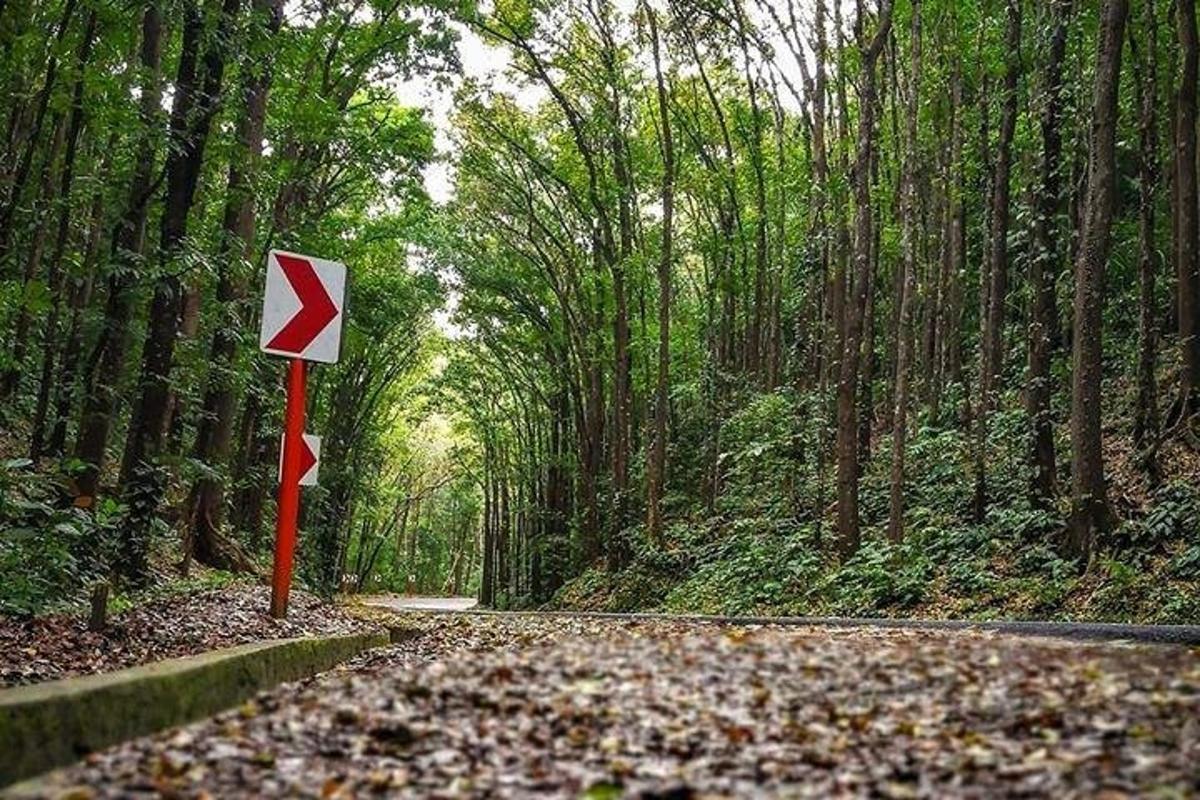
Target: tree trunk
x=952 y=326
x=1188 y=267
x=195 y=104
x=904 y=344
x=99 y=406
x=487 y=589
x=196 y=97
x=1145 y=421
x=656 y=472
x=213 y=437
x=992 y=344
x=849 y=535
x=1043 y=266
x=1090 y=512
x=621 y=400
x=80 y=300
x=55 y=272
x=9 y=209
x=11 y=378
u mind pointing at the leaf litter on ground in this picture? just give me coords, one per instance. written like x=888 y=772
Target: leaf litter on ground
x=488 y=706
x=46 y=648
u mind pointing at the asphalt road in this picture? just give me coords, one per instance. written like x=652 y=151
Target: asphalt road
x=1188 y=635
x=488 y=705
x=408 y=603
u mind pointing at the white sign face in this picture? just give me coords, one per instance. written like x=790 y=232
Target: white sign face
x=310 y=459
x=303 y=306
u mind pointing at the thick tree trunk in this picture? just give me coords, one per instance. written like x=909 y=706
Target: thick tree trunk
x=1090 y=512
x=196 y=97
x=195 y=104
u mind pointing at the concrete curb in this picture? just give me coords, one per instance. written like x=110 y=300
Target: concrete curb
x=1187 y=635
x=52 y=724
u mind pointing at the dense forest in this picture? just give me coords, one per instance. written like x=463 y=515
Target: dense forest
x=784 y=306
x=153 y=153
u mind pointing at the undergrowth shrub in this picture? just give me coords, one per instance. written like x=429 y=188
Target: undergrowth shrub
x=753 y=568
x=762 y=551
x=1174 y=514
x=49 y=550
x=880 y=576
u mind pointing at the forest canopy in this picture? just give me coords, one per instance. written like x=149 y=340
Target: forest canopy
x=783 y=306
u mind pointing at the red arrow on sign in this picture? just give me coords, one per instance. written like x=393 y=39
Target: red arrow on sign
x=316 y=308
x=307 y=457
x=310 y=461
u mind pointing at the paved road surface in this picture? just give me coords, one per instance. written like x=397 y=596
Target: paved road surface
x=1082 y=631
x=404 y=603
x=526 y=706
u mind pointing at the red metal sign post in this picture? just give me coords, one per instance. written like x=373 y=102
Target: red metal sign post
x=289 y=488
x=303 y=304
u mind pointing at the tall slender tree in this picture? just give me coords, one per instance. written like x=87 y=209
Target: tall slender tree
x=198 y=90
x=1145 y=65
x=1187 y=215
x=55 y=271
x=1090 y=511
x=1044 y=262
x=128 y=246
x=215 y=430
x=907 y=284
x=993 y=312
x=658 y=453
x=870 y=45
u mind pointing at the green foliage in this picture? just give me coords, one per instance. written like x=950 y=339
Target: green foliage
x=746 y=568
x=1187 y=563
x=1174 y=514
x=1008 y=566
x=878 y=577
x=494 y=406
x=49 y=550
x=761 y=453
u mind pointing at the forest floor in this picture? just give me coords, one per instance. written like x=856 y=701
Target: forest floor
x=43 y=648
x=567 y=707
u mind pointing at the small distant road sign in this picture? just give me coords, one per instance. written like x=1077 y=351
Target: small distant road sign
x=302 y=307
x=310 y=459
